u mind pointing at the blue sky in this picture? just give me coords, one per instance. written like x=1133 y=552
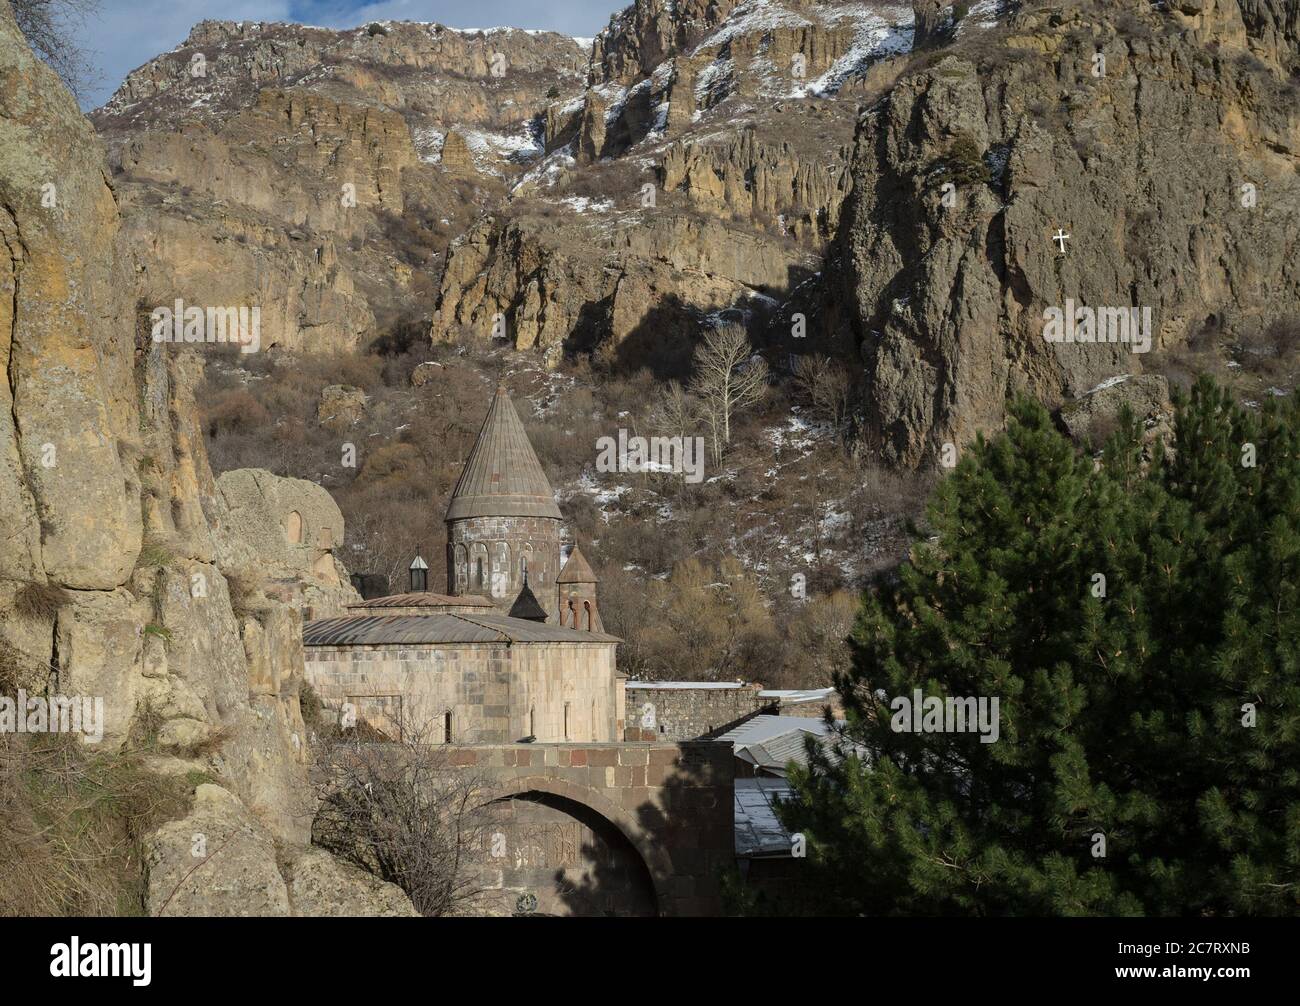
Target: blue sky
x=127 y=33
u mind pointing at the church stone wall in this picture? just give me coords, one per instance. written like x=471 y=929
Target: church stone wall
x=502 y=543
x=676 y=714
x=496 y=692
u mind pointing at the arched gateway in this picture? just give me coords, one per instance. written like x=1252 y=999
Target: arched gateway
x=605 y=829
x=564 y=849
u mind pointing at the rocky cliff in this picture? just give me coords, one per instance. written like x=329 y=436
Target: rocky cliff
x=1110 y=155
x=319 y=174
x=697 y=163
x=702 y=172
x=123 y=574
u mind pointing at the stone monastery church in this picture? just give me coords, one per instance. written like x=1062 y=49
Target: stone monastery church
x=513 y=651
x=613 y=797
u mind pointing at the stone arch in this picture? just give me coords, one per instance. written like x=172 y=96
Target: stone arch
x=293 y=527
x=478 y=571
x=654 y=856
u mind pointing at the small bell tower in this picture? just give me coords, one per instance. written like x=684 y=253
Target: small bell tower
x=576 y=589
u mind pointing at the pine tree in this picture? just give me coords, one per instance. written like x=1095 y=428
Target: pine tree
x=1123 y=613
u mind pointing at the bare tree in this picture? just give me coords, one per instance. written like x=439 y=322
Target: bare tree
x=376 y=543
x=827 y=385
x=728 y=378
x=401 y=811
x=674 y=412
x=50 y=29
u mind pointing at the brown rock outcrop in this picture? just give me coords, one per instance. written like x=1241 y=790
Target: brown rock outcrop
x=301 y=170
x=1036 y=136
x=114 y=514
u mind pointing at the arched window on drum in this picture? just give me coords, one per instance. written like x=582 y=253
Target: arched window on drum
x=500 y=569
x=461 y=560
x=479 y=565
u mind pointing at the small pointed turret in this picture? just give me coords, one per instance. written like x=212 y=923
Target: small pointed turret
x=576 y=594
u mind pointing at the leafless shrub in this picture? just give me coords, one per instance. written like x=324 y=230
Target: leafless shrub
x=1268 y=349
x=402 y=811
x=1283 y=336
x=826 y=385
x=49 y=27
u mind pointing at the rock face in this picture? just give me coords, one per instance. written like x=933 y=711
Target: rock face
x=702 y=173
x=346 y=182
x=341 y=406
x=1093 y=415
x=322 y=886
x=113 y=513
x=217 y=861
x=220 y=861
x=318 y=174
x=286 y=532
x=635 y=289
x=639 y=38
x=1038 y=135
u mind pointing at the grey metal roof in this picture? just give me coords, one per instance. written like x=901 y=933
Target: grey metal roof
x=423 y=599
x=775 y=754
x=443 y=627
x=502 y=476
x=770 y=743
x=759 y=831
x=766 y=727
x=791 y=695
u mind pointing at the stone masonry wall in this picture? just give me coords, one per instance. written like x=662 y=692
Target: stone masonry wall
x=671 y=802
x=677 y=714
x=496 y=692
x=502 y=542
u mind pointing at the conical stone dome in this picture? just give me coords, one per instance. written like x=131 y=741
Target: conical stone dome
x=502 y=476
